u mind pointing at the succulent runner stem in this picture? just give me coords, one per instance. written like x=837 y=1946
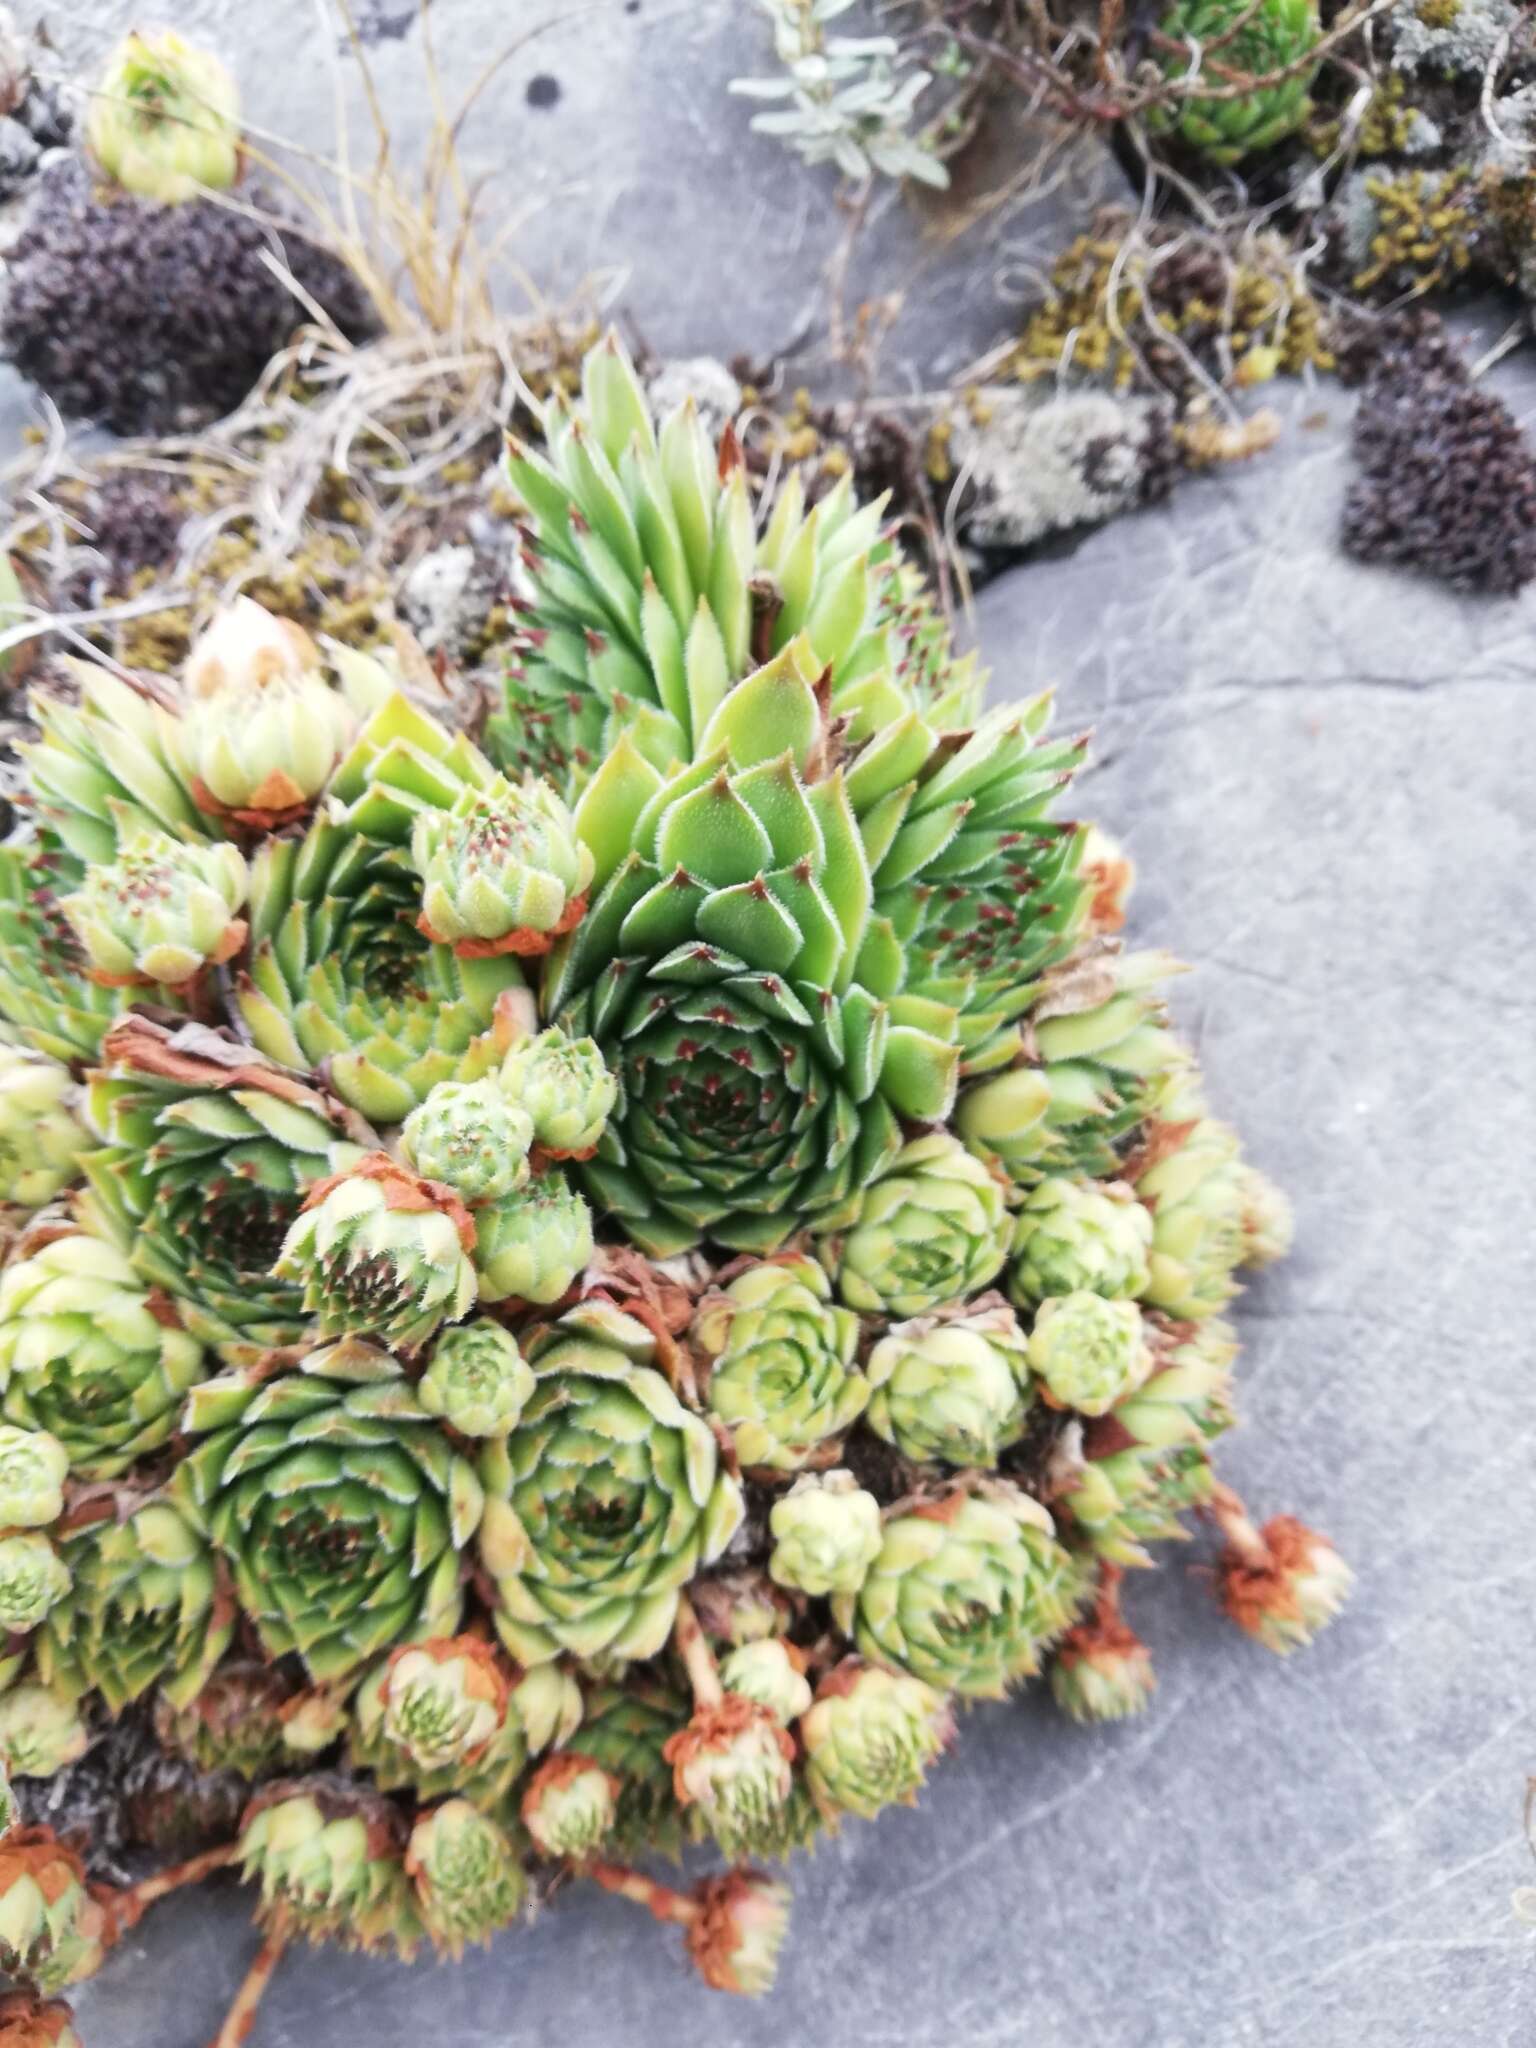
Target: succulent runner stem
x=698 y=1658
x=203 y=996
x=130 y=1906
x=1232 y=1519
x=241 y=2017
x=658 y=1899
x=1106 y=1603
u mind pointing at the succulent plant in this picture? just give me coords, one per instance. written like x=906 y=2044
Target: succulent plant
x=781 y=1357
x=502 y=869
x=476 y=1380
x=557 y=1252
x=486 y=1777
x=47 y=1000
x=826 y=1534
x=1147 y=1459
x=604 y=1500
x=46 y=1933
x=210 y=1150
x=772 y=1673
x=1281 y=1583
x=1102 y=1671
x=549 y=1706
x=1254 y=42
x=85 y=1356
x=649 y=594
x=1196 y=1189
x=145 y=1608
x=378 y=1250
x=1075 y=1237
x=1269 y=1224
x=870 y=1736
x=469 y=1136
x=469 y=1882
x=342 y=1511
x=160 y=913
x=262 y=728
x=954 y=1388
x=33 y=1578
x=339 y=972
x=444 y=1700
x=967 y=1591
x=40 y=1731
x=739 y=1927
x=1096 y=1046
x=40 y=1139
x=723 y=909
x=564 y=1085
x=1101 y=1677
x=329 y=1859
x=732 y=1765
x=33 y=1468
x=1088 y=1352
x=531 y=1244
x=108 y=768
x=570 y=1805
x=163 y=120
x=932 y=1228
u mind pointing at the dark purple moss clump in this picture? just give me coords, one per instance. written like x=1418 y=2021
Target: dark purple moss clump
x=1446 y=482
x=151 y=319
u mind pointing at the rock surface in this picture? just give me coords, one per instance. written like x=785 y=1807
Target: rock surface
x=1325 y=774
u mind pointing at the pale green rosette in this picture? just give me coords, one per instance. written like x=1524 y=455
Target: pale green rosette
x=604 y=1501
x=564 y=1085
x=1089 y=1352
x=930 y=1229
x=40 y=1139
x=533 y=1243
x=86 y=1354
x=381 y=1253
x=477 y=1380
x=1076 y=1237
x=338 y=1503
x=161 y=912
x=870 y=1737
x=502 y=865
x=145 y=1608
x=782 y=1376
x=953 y=1388
x=966 y=1593
x=469 y=1136
x=826 y=1534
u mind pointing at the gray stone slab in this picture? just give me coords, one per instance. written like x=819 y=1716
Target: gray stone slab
x=1326 y=775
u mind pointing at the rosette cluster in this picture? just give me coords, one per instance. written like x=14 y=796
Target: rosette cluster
x=565 y=1305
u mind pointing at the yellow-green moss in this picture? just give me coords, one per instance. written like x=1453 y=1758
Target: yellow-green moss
x=1260 y=309
x=1386 y=126
x=1426 y=230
